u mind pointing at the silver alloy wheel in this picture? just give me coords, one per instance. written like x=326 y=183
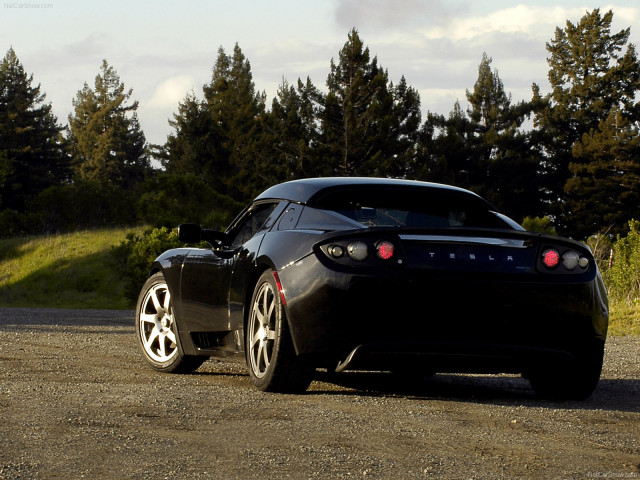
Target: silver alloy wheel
x=156 y=322
x=262 y=334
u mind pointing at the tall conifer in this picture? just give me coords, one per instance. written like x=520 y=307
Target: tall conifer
x=106 y=140
x=32 y=155
x=593 y=76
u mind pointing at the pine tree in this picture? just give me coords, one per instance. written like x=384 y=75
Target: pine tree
x=605 y=189
x=590 y=78
x=107 y=143
x=292 y=132
x=367 y=124
x=190 y=149
x=506 y=170
x=235 y=110
x=32 y=154
x=484 y=149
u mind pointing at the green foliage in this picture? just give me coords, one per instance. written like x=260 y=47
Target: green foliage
x=5 y=169
x=605 y=186
x=369 y=127
x=81 y=205
x=484 y=149
x=105 y=138
x=291 y=133
x=592 y=82
x=539 y=225
x=32 y=156
x=217 y=139
x=623 y=278
x=601 y=245
x=578 y=165
x=168 y=200
x=134 y=256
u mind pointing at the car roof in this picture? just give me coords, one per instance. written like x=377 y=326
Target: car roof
x=306 y=190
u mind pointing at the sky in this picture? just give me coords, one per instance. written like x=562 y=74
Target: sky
x=164 y=50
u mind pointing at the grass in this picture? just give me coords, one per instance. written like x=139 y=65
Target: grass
x=624 y=319
x=75 y=270
x=72 y=270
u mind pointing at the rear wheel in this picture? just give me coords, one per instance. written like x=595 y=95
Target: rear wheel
x=157 y=332
x=273 y=364
x=572 y=381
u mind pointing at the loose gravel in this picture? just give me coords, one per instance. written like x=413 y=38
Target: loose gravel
x=78 y=401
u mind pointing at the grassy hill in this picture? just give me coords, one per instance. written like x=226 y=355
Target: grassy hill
x=72 y=270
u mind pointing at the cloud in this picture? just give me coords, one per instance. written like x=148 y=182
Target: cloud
x=528 y=20
x=171 y=91
x=391 y=14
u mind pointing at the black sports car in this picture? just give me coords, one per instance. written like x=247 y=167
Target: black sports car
x=377 y=274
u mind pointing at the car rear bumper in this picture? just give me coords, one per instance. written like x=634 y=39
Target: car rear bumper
x=456 y=320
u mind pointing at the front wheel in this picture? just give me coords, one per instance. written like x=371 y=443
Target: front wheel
x=157 y=332
x=273 y=364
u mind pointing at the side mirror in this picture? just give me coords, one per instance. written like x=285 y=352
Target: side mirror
x=189 y=233
x=192 y=233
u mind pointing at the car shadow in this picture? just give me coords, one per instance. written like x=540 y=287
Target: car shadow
x=622 y=395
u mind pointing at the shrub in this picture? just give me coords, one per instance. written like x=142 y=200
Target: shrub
x=134 y=256
x=538 y=225
x=623 y=278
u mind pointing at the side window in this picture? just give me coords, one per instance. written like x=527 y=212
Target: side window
x=251 y=223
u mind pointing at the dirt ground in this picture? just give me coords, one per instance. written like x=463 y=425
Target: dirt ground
x=77 y=401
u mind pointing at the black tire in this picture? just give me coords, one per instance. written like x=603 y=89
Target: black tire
x=273 y=364
x=575 y=380
x=157 y=332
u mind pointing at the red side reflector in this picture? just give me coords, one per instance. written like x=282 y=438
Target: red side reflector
x=280 y=289
x=551 y=258
x=384 y=250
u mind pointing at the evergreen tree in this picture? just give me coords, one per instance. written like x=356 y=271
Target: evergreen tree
x=217 y=139
x=190 y=149
x=32 y=155
x=605 y=189
x=485 y=149
x=235 y=110
x=107 y=143
x=590 y=78
x=444 y=154
x=368 y=125
x=292 y=132
x=506 y=169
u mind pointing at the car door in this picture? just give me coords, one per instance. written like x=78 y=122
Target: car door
x=206 y=273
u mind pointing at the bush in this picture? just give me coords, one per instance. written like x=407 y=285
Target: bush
x=134 y=256
x=623 y=278
x=538 y=225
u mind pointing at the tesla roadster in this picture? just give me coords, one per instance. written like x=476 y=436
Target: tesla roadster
x=403 y=276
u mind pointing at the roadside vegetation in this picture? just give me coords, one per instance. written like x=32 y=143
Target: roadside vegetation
x=73 y=270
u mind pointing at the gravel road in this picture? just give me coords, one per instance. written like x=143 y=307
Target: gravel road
x=77 y=401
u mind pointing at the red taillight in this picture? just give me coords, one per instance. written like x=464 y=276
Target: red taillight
x=551 y=258
x=384 y=250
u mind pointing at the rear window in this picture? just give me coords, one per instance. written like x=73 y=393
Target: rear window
x=419 y=208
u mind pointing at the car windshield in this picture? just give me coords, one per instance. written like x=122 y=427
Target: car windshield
x=419 y=208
